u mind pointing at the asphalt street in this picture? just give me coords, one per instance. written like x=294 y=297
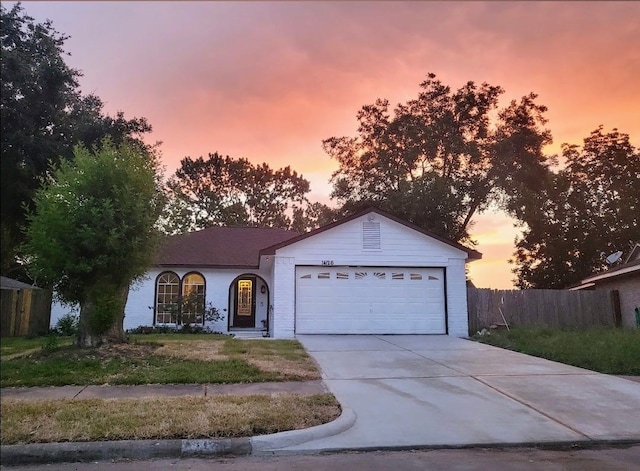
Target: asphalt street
x=516 y=459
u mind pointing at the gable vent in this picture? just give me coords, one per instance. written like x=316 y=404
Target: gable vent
x=370 y=235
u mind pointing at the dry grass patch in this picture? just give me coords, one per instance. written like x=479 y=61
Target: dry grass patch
x=203 y=350
x=301 y=371
x=286 y=358
x=162 y=418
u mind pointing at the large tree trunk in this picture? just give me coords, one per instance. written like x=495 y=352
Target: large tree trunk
x=116 y=333
x=94 y=334
x=86 y=338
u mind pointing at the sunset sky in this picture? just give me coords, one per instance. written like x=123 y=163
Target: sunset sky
x=269 y=81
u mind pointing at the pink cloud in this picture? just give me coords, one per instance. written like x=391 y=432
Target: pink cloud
x=269 y=80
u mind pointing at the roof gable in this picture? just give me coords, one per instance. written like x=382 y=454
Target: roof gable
x=222 y=247
x=472 y=254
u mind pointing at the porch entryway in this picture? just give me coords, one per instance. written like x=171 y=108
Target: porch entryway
x=248 y=304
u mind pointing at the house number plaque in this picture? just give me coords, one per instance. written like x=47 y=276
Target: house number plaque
x=327 y=263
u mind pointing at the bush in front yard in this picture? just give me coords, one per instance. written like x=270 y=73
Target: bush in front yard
x=67 y=325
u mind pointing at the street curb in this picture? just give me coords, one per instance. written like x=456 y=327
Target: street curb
x=40 y=453
x=543 y=445
x=267 y=443
x=228 y=446
x=70 y=452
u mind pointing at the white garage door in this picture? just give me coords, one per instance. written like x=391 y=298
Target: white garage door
x=369 y=300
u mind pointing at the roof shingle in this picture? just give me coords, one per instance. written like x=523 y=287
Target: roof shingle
x=220 y=247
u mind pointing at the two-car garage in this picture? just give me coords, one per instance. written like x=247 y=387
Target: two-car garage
x=369 y=300
x=369 y=273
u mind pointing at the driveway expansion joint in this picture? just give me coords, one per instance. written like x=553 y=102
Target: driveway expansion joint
x=550 y=417
x=80 y=392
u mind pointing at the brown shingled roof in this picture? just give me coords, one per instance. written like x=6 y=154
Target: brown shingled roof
x=221 y=247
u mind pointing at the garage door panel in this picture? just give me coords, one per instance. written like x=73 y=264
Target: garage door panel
x=369 y=300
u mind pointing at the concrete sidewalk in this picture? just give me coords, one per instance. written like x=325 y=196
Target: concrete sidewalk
x=150 y=390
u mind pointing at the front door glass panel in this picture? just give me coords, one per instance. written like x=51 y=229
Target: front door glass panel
x=245 y=301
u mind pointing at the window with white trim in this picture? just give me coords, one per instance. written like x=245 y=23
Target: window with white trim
x=192 y=305
x=167 y=298
x=179 y=301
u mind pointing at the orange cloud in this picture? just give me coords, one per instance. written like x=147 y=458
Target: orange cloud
x=270 y=80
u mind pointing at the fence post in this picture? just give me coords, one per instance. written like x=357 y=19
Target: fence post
x=617 y=311
x=26 y=312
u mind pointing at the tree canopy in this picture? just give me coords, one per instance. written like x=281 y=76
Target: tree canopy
x=439 y=159
x=93 y=232
x=221 y=190
x=43 y=116
x=442 y=157
x=589 y=209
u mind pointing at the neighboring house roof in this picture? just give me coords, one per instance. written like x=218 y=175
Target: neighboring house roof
x=631 y=266
x=634 y=254
x=8 y=283
x=472 y=254
x=624 y=269
x=220 y=247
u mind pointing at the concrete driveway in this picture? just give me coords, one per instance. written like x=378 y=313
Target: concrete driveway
x=418 y=390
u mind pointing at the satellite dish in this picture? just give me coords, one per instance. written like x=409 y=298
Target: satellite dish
x=614 y=257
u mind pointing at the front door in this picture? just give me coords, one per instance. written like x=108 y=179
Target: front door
x=245 y=306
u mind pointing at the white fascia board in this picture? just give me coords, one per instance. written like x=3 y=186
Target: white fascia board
x=582 y=286
x=602 y=276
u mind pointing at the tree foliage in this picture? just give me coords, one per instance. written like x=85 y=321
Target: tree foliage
x=43 y=116
x=92 y=232
x=221 y=191
x=589 y=209
x=439 y=159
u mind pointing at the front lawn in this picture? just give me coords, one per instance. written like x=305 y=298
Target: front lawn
x=157 y=359
x=606 y=350
x=162 y=418
x=14 y=346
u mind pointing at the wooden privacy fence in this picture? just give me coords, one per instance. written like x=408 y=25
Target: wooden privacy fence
x=25 y=312
x=541 y=307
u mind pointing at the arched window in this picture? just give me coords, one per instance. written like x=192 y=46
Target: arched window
x=193 y=297
x=167 y=298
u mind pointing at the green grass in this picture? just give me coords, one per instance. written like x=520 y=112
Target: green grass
x=152 y=370
x=15 y=345
x=157 y=359
x=606 y=350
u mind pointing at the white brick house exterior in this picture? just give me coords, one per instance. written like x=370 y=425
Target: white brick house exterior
x=368 y=273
